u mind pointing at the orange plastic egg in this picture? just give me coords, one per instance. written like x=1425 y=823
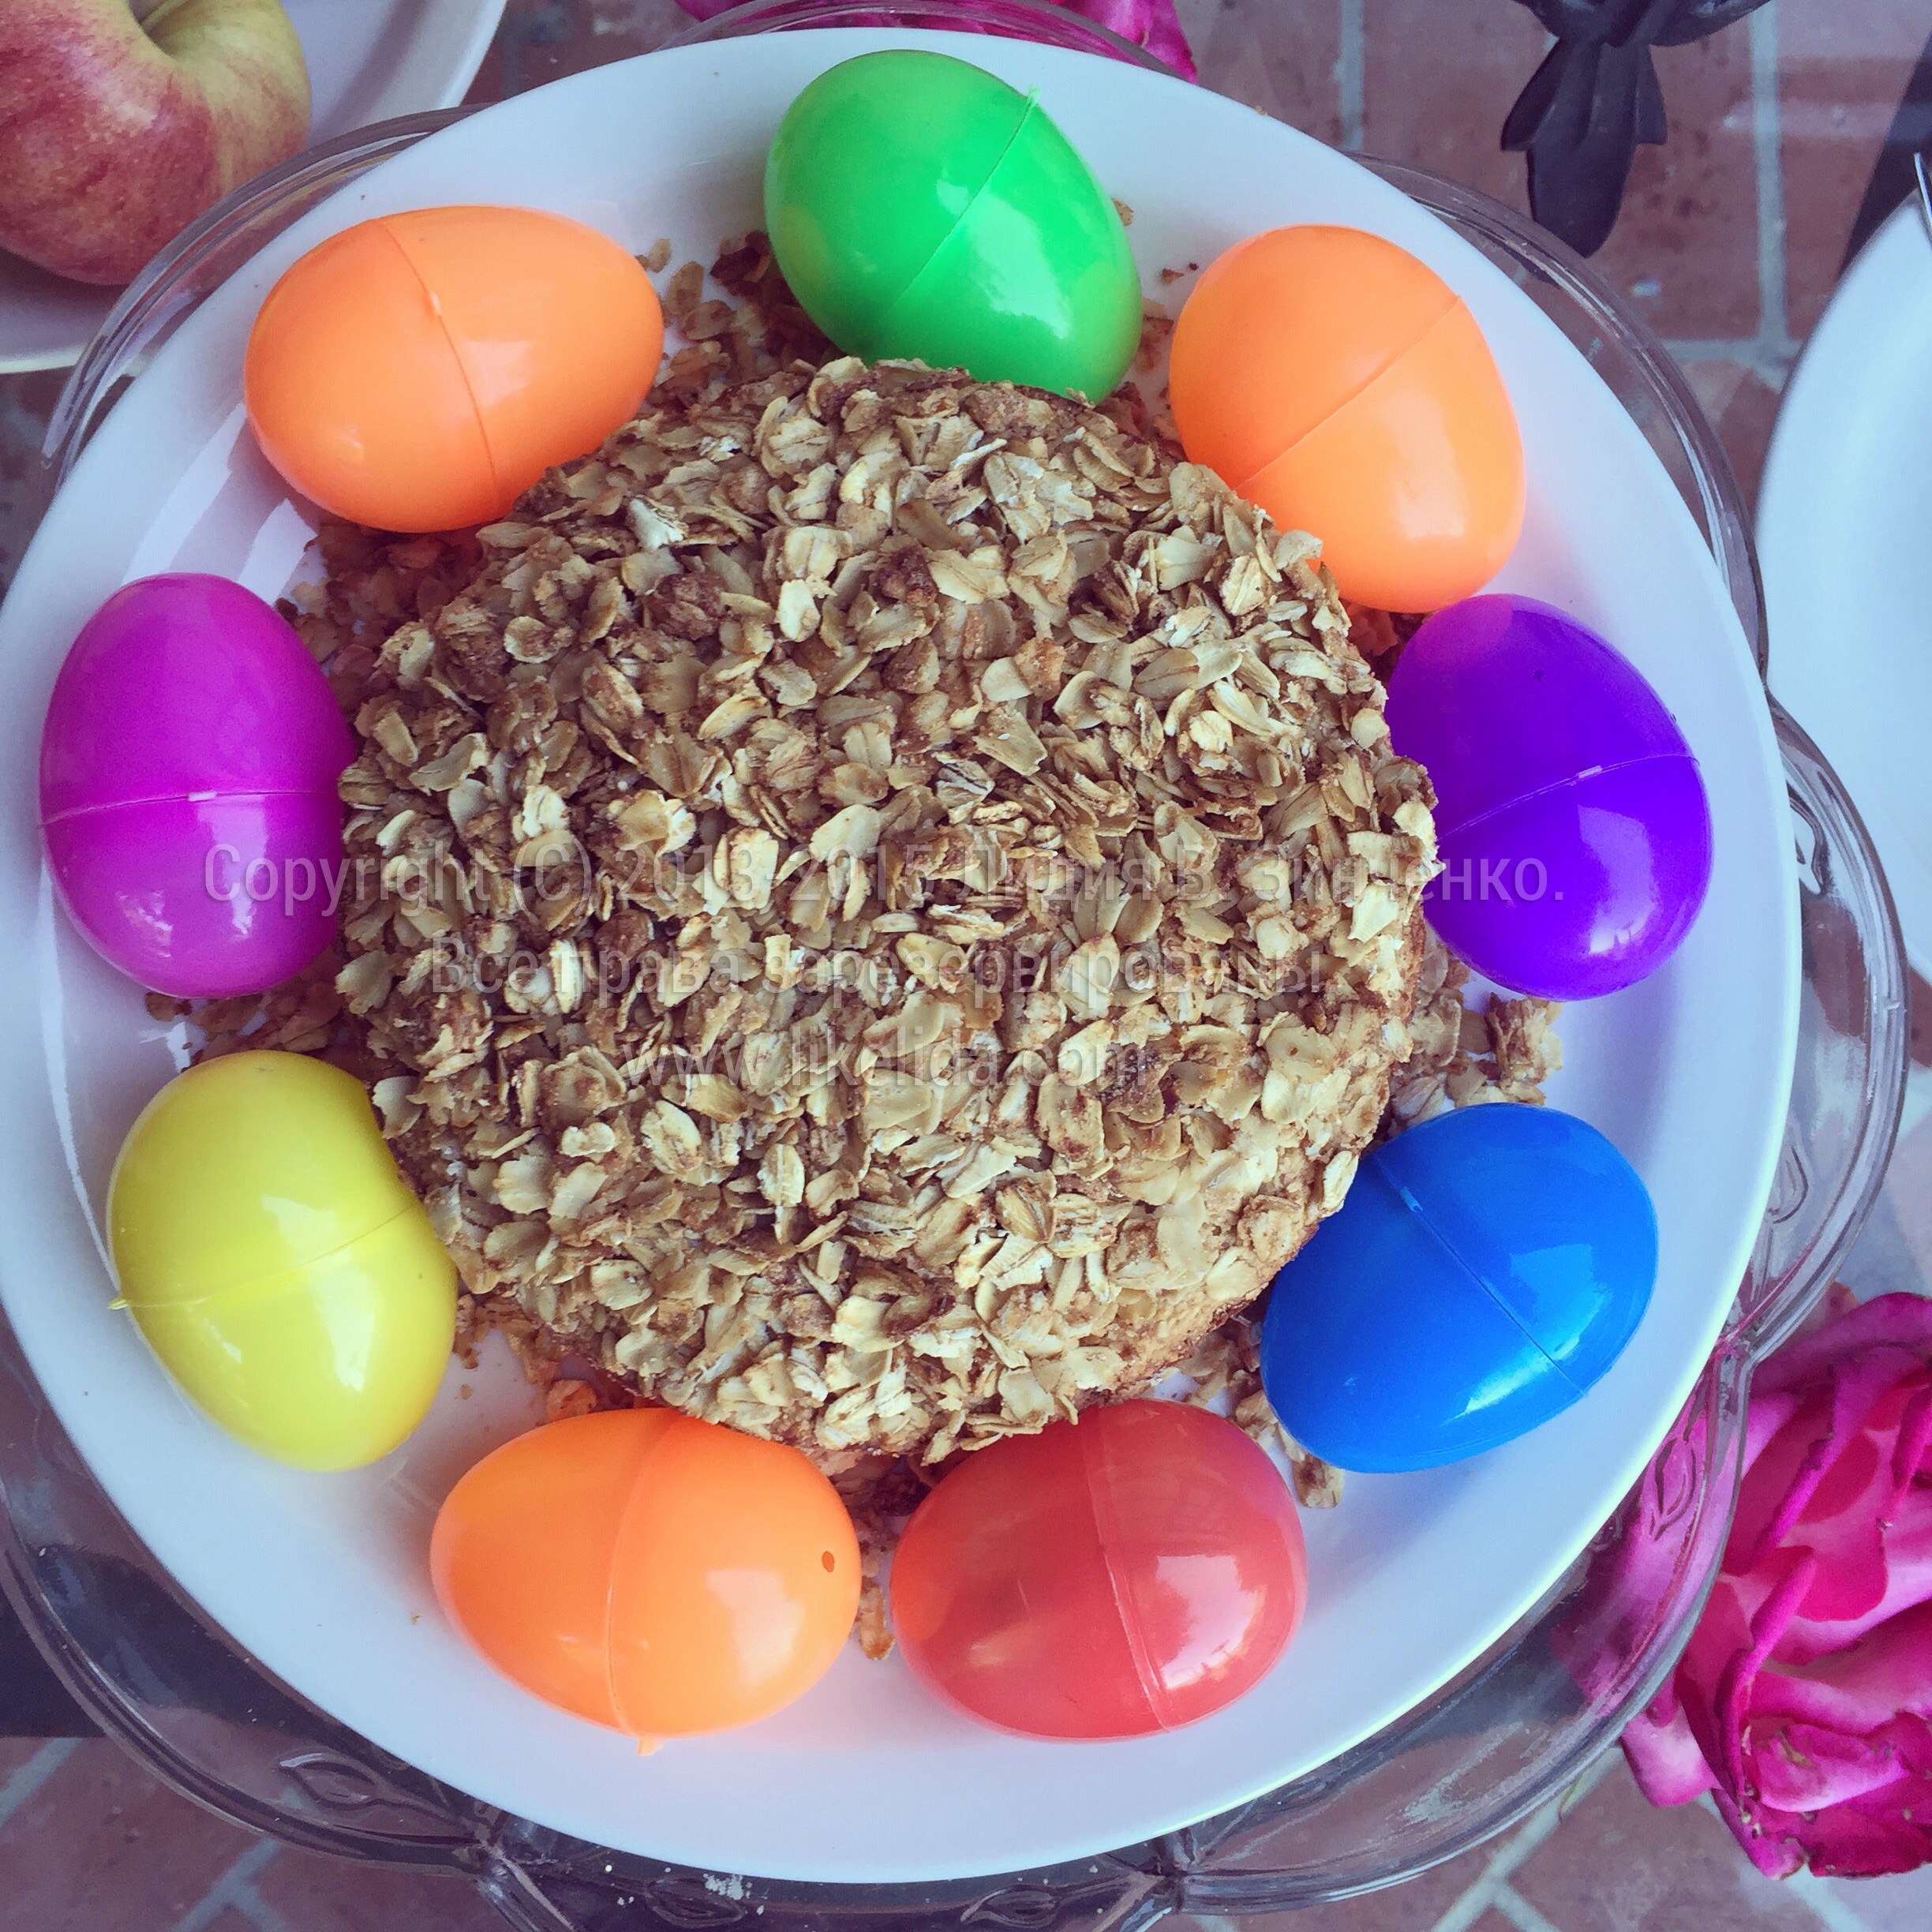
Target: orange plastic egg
x=1326 y=375
x=648 y=1570
x=419 y=372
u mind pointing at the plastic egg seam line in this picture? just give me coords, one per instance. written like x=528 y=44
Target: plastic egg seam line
x=264 y=1284
x=1355 y=394
x=478 y=414
x=1100 y=1501
x=965 y=215
x=1448 y=1247
x=182 y=798
x=652 y=1447
x=1560 y=784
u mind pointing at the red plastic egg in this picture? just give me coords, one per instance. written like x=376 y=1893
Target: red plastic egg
x=1126 y=1573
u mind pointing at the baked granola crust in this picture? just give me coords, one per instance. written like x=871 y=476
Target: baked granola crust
x=889 y=905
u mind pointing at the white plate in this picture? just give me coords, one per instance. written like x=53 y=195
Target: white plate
x=368 y=60
x=1844 y=539
x=324 y=1578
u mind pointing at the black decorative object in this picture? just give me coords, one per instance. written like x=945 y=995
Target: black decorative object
x=1594 y=99
x=1891 y=180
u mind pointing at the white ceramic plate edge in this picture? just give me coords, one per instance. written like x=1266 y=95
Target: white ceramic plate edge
x=1828 y=483
x=1137 y=1778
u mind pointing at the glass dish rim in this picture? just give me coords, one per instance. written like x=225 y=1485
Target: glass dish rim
x=144 y=314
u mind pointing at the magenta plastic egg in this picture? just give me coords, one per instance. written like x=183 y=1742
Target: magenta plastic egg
x=1575 y=835
x=188 y=800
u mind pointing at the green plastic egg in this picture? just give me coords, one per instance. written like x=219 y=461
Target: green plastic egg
x=921 y=208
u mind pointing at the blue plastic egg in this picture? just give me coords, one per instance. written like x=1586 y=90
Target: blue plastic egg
x=1486 y=1269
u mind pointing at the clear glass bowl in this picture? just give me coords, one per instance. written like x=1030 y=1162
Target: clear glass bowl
x=1511 y=1730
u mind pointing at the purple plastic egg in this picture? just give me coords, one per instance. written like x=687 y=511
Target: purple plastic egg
x=188 y=800
x=1574 y=832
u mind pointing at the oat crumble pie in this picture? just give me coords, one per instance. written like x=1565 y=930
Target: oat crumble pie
x=956 y=907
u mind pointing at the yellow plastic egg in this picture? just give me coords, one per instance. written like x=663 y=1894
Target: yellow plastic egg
x=277 y=1262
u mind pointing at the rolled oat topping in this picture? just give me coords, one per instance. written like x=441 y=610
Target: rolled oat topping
x=884 y=910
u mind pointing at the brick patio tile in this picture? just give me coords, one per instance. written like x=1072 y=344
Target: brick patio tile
x=1921 y=1021
x=542 y=40
x=26 y=402
x=14 y=1752
x=1689 y=223
x=102 y=1846
x=1686 y=242
x=1436 y=87
x=1842 y=73
x=1899 y=1904
x=1742 y=406
x=488 y=83
x=1619 y=1864
x=316 y=1893
x=1279 y=59
x=231 y=1921
x=1830 y=30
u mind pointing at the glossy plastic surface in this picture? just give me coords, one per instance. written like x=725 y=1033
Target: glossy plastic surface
x=420 y=371
x=1575 y=833
x=1512 y=1731
x=920 y=207
x=185 y=684
x=1486 y=1269
x=649 y=1571
x=1129 y=1573
x=1337 y=382
x=190 y=737
x=276 y=1262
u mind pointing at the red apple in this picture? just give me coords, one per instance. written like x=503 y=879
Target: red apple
x=116 y=133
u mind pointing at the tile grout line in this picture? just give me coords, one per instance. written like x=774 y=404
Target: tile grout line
x=1469 y=1907
x=1517 y=1910
x=234 y=1889
x=1768 y=138
x=1774 y=348
x=1536 y=1829
x=1770 y=353
x=1826 y=1906
x=1750 y=349
x=257 y=1909
x=1492 y=1887
x=34 y=1772
x=1349 y=73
